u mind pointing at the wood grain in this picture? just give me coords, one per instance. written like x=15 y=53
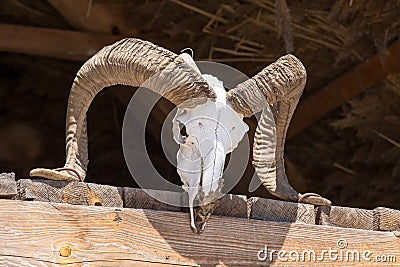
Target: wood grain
x=39 y=233
x=386 y=219
x=346 y=217
x=280 y=211
x=229 y=205
x=8 y=185
x=77 y=193
x=379 y=219
x=232 y=206
x=138 y=199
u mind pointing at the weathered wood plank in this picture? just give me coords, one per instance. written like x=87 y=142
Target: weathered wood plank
x=53 y=43
x=93 y=16
x=229 y=205
x=138 y=199
x=8 y=185
x=232 y=206
x=52 y=234
x=344 y=88
x=280 y=211
x=379 y=219
x=386 y=219
x=9 y=261
x=346 y=217
x=69 y=192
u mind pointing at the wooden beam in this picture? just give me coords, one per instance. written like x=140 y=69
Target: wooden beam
x=80 y=193
x=76 y=193
x=8 y=186
x=53 y=43
x=344 y=88
x=346 y=217
x=378 y=219
x=55 y=234
x=279 y=211
x=93 y=16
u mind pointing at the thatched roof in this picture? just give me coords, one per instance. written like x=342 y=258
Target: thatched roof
x=350 y=155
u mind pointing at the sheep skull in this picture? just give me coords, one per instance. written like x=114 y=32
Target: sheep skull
x=205 y=133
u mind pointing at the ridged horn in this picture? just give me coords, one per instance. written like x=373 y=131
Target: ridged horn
x=280 y=85
x=127 y=62
x=278 y=81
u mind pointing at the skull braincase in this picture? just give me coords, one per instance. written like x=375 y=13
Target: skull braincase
x=213 y=129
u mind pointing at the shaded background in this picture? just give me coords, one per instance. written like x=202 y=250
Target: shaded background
x=349 y=155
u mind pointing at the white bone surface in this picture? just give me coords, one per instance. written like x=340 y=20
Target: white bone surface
x=213 y=130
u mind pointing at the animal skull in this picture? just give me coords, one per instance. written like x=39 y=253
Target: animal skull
x=213 y=127
x=211 y=130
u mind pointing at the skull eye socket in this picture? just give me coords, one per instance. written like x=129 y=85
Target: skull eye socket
x=182 y=128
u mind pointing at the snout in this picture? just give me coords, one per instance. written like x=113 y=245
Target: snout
x=200 y=166
x=201 y=215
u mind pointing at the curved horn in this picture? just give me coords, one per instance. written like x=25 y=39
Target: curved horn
x=127 y=62
x=280 y=85
x=278 y=81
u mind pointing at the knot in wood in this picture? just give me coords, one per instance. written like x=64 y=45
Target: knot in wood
x=65 y=251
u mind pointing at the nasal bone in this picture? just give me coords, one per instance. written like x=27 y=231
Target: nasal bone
x=211 y=175
x=192 y=192
x=213 y=168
